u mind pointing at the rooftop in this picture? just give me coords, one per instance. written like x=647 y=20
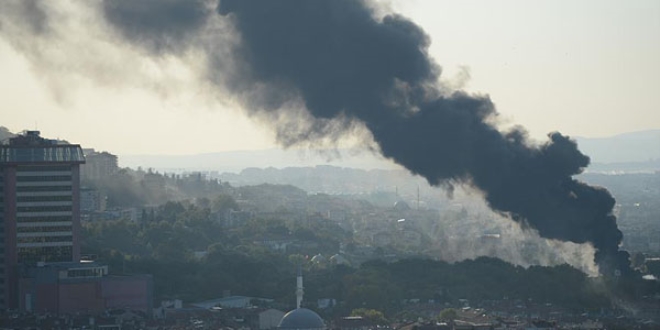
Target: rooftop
x=30 y=148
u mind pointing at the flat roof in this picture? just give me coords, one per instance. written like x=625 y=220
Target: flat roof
x=42 y=154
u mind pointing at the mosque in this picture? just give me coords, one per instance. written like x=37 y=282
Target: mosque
x=301 y=318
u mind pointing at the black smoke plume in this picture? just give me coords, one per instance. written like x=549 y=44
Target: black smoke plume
x=158 y=25
x=348 y=67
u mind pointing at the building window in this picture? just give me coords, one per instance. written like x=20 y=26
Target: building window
x=44 y=208
x=45 y=219
x=44 y=198
x=46 y=254
x=47 y=229
x=42 y=188
x=41 y=168
x=43 y=178
x=44 y=239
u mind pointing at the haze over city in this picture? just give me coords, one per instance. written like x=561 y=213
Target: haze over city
x=472 y=165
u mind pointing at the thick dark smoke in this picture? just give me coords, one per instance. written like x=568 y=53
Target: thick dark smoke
x=346 y=67
x=158 y=25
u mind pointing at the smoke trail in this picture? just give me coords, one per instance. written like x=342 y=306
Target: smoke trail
x=342 y=62
x=32 y=13
x=320 y=69
x=160 y=26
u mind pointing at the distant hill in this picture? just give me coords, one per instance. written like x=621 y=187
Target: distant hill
x=650 y=166
x=642 y=146
x=235 y=161
x=629 y=152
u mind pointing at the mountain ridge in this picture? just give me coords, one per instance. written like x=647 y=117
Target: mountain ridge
x=630 y=151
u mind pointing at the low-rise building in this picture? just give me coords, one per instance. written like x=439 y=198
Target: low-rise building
x=74 y=287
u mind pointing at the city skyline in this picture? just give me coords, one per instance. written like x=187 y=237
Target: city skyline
x=586 y=69
x=500 y=158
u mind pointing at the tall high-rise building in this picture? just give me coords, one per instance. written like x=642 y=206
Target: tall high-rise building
x=39 y=206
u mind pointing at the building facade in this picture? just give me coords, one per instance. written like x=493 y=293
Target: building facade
x=39 y=207
x=73 y=287
x=98 y=165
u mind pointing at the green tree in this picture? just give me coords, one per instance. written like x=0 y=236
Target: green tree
x=374 y=316
x=224 y=203
x=448 y=315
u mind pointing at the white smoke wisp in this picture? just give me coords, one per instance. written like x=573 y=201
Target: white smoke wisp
x=74 y=48
x=469 y=229
x=72 y=61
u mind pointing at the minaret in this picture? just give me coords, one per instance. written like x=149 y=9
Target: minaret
x=299 y=288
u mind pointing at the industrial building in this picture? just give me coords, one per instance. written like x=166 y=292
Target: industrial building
x=72 y=287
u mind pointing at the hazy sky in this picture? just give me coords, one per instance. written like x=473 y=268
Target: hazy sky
x=585 y=68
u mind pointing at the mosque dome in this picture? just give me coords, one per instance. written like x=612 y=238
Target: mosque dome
x=339 y=259
x=319 y=259
x=301 y=319
x=401 y=206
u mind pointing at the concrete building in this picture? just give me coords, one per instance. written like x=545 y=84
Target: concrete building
x=99 y=165
x=92 y=200
x=231 y=302
x=270 y=319
x=74 y=287
x=39 y=206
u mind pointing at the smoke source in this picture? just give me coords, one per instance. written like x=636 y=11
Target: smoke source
x=322 y=69
x=342 y=62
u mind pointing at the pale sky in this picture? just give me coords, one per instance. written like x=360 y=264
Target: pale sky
x=584 y=68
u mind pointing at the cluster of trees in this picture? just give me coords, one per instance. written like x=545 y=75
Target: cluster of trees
x=193 y=257
x=176 y=230
x=136 y=188
x=385 y=286
x=163 y=245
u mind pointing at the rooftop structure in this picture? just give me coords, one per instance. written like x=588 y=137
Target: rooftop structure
x=31 y=148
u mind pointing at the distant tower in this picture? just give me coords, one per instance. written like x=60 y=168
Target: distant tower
x=299 y=288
